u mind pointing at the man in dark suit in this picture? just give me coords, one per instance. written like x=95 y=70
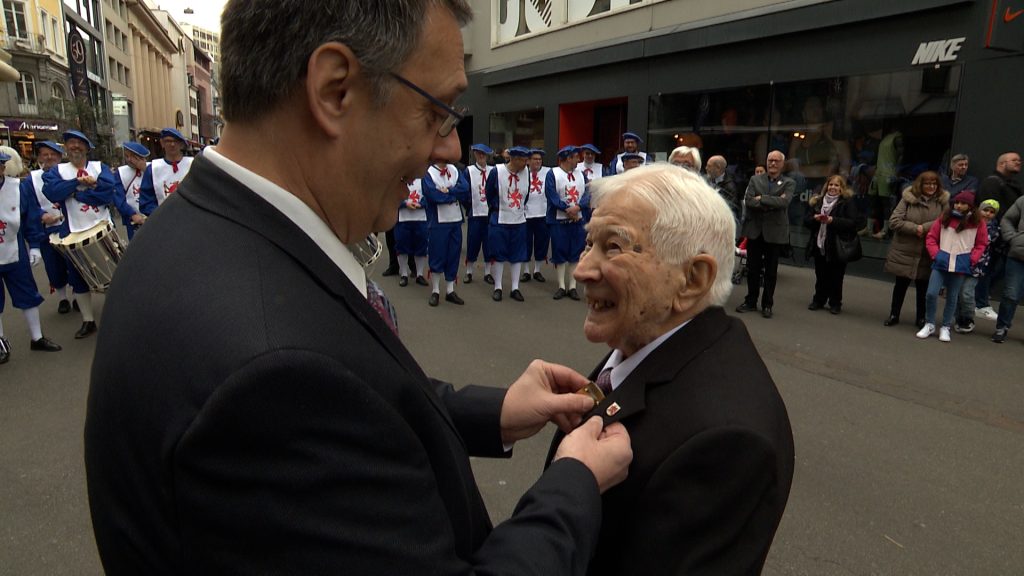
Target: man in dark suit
x=712 y=442
x=267 y=419
x=767 y=230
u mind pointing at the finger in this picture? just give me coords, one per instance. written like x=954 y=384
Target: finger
x=569 y=404
x=592 y=427
x=563 y=378
x=616 y=429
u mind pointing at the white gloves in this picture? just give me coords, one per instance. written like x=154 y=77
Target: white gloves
x=34 y=256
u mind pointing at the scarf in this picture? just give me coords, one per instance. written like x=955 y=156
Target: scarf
x=827 y=204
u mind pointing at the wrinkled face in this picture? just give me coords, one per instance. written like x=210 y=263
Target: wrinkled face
x=775 y=162
x=47 y=158
x=630 y=291
x=359 y=191
x=1012 y=164
x=536 y=161
x=77 y=150
x=713 y=170
x=960 y=168
x=589 y=156
x=173 y=148
x=684 y=161
x=630 y=145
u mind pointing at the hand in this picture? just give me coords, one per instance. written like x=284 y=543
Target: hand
x=920 y=231
x=607 y=453
x=87 y=181
x=34 y=256
x=137 y=219
x=544 y=393
x=50 y=219
x=757 y=198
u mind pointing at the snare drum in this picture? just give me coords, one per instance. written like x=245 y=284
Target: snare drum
x=94 y=253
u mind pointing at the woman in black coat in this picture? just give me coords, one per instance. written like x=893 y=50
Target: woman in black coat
x=833 y=215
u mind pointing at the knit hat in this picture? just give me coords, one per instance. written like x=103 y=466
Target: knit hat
x=991 y=203
x=965 y=197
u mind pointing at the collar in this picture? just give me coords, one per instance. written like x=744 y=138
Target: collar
x=622 y=368
x=296 y=211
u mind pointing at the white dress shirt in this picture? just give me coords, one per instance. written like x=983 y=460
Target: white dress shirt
x=622 y=368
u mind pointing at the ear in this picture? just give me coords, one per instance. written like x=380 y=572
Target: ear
x=700 y=277
x=331 y=76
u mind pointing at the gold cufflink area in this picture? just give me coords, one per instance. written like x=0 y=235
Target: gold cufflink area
x=592 y=390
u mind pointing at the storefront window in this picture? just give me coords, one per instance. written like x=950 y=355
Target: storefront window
x=522 y=128
x=879 y=131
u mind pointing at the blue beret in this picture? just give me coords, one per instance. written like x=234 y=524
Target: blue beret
x=49 y=144
x=76 y=134
x=590 y=147
x=566 y=151
x=482 y=148
x=632 y=136
x=136 y=148
x=537 y=151
x=173 y=134
x=518 y=151
x=631 y=156
x=4 y=157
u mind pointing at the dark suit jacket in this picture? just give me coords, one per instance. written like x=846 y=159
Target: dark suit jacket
x=769 y=216
x=249 y=413
x=712 y=458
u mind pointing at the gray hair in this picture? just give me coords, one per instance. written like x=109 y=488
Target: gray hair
x=958 y=157
x=691 y=218
x=266 y=44
x=683 y=151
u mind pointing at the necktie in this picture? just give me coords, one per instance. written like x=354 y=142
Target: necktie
x=375 y=296
x=174 y=167
x=82 y=172
x=513 y=178
x=604 y=381
x=445 y=173
x=571 y=177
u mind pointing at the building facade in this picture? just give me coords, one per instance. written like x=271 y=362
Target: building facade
x=90 y=94
x=201 y=85
x=120 y=79
x=209 y=42
x=875 y=90
x=172 y=96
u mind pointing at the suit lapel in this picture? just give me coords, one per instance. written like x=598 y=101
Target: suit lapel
x=211 y=189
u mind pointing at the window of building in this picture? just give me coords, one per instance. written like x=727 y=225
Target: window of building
x=57 y=91
x=522 y=128
x=26 y=90
x=58 y=38
x=14 y=16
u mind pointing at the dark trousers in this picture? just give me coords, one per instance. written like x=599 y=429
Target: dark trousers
x=828 y=280
x=762 y=261
x=996 y=271
x=899 y=293
x=389 y=239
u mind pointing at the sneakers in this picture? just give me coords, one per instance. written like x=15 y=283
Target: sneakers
x=1000 y=336
x=986 y=312
x=926 y=331
x=944 y=334
x=964 y=327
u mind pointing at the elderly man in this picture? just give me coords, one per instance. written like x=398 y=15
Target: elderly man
x=958 y=180
x=268 y=419
x=163 y=175
x=686 y=157
x=714 y=448
x=767 y=230
x=720 y=180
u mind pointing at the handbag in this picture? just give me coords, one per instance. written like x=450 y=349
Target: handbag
x=848 y=249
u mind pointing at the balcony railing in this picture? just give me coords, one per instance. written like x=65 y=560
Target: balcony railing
x=31 y=43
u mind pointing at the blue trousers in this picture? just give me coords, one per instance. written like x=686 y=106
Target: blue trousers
x=537 y=239
x=444 y=246
x=17 y=277
x=476 y=238
x=952 y=282
x=1013 y=288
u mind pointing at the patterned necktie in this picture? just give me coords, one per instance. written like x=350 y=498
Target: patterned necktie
x=604 y=381
x=375 y=296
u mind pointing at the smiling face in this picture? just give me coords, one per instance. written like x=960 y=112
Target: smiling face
x=631 y=293
x=47 y=157
x=77 y=150
x=776 y=160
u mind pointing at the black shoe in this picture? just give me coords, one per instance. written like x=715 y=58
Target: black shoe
x=892 y=320
x=836 y=309
x=5 y=350
x=391 y=271
x=468 y=279
x=44 y=344
x=403 y=281
x=539 y=277
x=434 y=299
x=421 y=280
x=86 y=329
x=525 y=277
x=559 y=294
x=496 y=295
x=573 y=294
x=64 y=306
x=814 y=305
x=746 y=308
x=74 y=306
x=454 y=298
x=1000 y=336
x=766 y=311
x=517 y=296
x=489 y=279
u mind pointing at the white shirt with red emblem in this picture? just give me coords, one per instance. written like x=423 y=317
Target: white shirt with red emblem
x=82 y=216
x=477 y=189
x=166 y=178
x=406 y=214
x=570 y=187
x=537 y=206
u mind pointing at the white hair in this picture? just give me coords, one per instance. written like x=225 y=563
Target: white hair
x=14 y=166
x=691 y=218
x=684 y=151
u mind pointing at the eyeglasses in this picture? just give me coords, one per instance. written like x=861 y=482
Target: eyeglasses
x=455 y=115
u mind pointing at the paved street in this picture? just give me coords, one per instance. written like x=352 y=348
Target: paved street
x=910 y=454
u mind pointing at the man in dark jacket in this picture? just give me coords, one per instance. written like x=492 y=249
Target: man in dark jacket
x=1002 y=186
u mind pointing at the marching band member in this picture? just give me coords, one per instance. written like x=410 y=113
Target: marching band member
x=48 y=155
x=83 y=189
x=477 y=211
x=164 y=174
x=630 y=145
x=444 y=190
x=507 y=195
x=20 y=224
x=129 y=184
x=411 y=234
x=591 y=170
x=537 y=236
x=564 y=187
